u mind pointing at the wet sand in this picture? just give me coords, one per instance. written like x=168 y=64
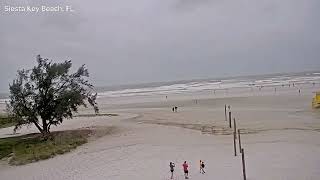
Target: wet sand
x=280 y=134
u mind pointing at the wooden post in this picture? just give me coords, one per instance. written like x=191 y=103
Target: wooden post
x=234 y=136
x=230 y=119
x=225 y=112
x=243 y=165
x=234 y=143
x=239 y=140
x=235 y=127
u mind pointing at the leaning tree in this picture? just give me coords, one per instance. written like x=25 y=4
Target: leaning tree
x=48 y=93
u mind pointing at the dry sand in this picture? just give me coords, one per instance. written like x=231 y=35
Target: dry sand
x=281 y=137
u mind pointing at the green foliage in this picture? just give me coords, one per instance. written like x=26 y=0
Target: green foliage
x=6 y=121
x=48 y=93
x=29 y=148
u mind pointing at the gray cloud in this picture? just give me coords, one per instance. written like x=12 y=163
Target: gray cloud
x=124 y=41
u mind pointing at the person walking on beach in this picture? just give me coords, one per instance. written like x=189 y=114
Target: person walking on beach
x=202 y=167
x=173 y=109
x=176 y=108
x=171 y=165
x=185 y=170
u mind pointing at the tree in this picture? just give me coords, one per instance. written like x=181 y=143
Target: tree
x=47 y=94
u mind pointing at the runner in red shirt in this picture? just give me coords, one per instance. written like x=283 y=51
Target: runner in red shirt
x=185 y=169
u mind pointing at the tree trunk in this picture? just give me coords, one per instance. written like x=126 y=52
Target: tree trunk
x=44 y=125
x=44 y=130
x=38 y=126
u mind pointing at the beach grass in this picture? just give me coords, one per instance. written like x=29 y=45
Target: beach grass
x=5 y=121
x=32 y=147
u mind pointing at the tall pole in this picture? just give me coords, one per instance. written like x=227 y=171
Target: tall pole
x=235 y=127
x=239 y=140
x=230 y=119
x=243 y=165
x=234 y=143
x=234 y=136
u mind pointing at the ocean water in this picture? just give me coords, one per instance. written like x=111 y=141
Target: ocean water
x=190 y=86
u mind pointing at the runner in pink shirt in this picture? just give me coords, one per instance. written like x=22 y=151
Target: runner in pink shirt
x=185 y=169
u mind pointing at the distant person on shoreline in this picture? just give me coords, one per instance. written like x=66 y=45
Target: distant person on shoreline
x=176 y=109
x=173 y=109
x=171 y=165
x=185 y=170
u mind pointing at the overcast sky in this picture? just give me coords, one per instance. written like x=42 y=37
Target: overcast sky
x=131 y=41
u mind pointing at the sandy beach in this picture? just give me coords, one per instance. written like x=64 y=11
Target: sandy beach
x=280 y=134
x=136 y=85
